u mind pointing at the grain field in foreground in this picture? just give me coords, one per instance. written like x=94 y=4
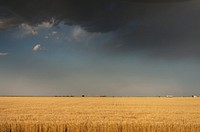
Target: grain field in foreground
x=98 y=114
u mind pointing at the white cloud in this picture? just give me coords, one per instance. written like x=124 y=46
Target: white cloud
x=34 y=32
x=54 y=33
x=28 y=29
x=47 y=24
x=37 y=47
x=44 y=25
x=3 y=54
x=79 y=34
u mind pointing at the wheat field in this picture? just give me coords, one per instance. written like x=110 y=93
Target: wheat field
x=99 y=114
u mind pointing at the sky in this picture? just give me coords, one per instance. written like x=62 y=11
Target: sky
x=101 y=47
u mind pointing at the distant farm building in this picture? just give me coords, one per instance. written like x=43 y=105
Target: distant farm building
x=169 y=96
x=194 y=96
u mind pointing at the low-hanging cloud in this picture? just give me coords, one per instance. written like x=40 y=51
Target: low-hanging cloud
x=3 y=53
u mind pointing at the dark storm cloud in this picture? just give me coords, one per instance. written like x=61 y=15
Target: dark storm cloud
x=93 y=15
x=164 y=28
x=8 y=19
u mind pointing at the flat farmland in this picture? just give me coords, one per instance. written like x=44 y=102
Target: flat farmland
x=99 y=114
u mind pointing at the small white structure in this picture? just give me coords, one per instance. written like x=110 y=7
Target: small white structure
x=194 y=96
x=169 y=96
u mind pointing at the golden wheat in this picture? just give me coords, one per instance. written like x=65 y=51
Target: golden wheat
x=98 y=114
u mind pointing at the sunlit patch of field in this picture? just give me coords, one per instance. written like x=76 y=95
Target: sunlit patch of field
x=99 y=114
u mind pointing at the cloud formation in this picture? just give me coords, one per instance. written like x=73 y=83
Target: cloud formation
x=94 y=16
x=163 y=31
x=167 y=28
x=3 y=53
x=80 y=34
x=37 y=47
x=8 y=23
